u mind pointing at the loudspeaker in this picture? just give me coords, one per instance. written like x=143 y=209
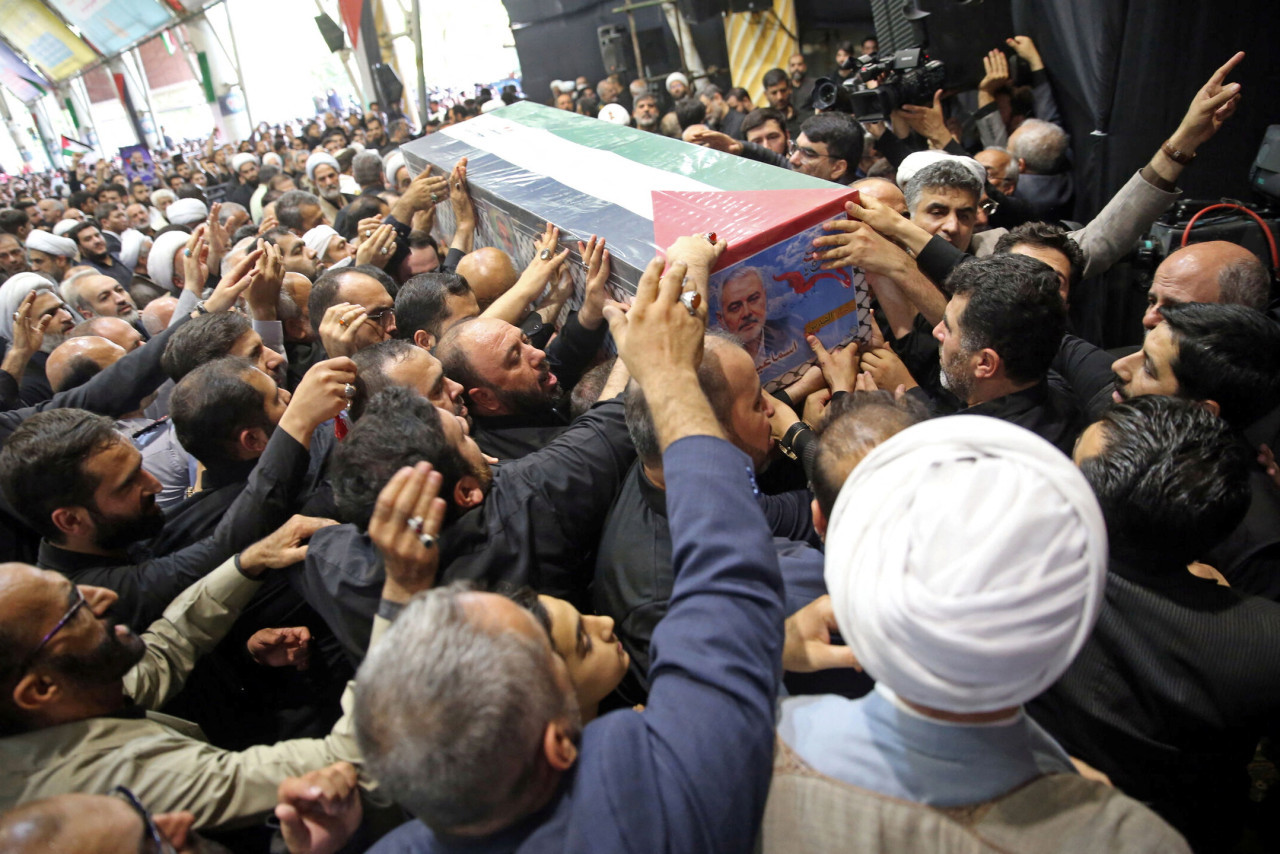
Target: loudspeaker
x=613 y=48
x=697 y=11
x=388 y=84
x=331 y=32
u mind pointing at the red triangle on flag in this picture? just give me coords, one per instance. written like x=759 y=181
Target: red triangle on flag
x=751 y=220
x=351 y=11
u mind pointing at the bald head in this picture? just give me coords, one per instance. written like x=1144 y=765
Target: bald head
x=113 y=329
x=90 y=824
x=489 y=272
x=158 y=313
x=1213 y=272
x=77 y=359
x=884 y=191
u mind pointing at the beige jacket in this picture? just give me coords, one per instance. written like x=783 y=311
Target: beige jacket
x=1107 y=237
x=1055 y=814
x=164 y=760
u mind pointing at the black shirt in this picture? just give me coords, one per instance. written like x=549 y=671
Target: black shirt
x=509 y=437
x=538 y=526
x=634 y=574
x=116 y=269
x=1170 y=695
x=146 y=582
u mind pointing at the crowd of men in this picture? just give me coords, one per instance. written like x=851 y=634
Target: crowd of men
x=323 y=534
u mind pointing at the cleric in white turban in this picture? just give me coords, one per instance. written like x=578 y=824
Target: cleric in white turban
x=187 y=212
x=51 y=253
x=965 y=558
x=241 y=159
x=164 y=263
x=391 y=166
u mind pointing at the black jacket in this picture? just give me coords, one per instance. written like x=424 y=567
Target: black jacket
x=509 y=437
x=635 y=575
x=1170 y=694
x=538 y=526
x=147 y=583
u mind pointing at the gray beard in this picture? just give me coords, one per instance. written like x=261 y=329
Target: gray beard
x=334 y=197
x=643 y=125
x=51 y=341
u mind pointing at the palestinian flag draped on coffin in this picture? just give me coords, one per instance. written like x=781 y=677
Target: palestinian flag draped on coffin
x=528 y=164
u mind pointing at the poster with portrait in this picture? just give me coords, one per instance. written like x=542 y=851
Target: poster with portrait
x=138 y=165
x=772 y=299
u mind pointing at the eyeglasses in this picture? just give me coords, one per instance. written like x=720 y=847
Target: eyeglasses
x=989 y=206
x=805 y=152
x=382 y=315
x=153 y=842
x=66 y=618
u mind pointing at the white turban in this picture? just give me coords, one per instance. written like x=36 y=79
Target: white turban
x=162 y=193
x=51 y=244
x=674 y=76
x=615 y=114
x=966 y=559
x=318 y=238
x=160 y=261
x=13 y=291
x=186 y=212
x=62 y=226
x=131 y=247
x=319 y=158
x=391 y=165
x=272 y=159
x=241 y=159
x=918 y=160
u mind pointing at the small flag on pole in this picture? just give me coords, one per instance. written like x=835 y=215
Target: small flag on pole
x=72 y=147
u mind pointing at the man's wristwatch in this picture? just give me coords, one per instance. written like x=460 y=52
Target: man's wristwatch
x=1177 y=155
x=201 y=308
x=786 y=443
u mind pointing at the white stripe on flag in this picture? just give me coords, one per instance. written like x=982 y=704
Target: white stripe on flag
x=628 y=184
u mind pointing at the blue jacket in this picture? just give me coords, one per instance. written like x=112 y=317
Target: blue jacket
x=691 y=772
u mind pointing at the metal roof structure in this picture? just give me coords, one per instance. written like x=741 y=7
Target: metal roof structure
x=45 y=42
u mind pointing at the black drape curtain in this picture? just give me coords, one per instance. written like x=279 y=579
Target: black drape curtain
x=1124 y=72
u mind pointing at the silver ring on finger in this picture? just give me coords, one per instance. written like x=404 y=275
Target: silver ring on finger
x=415 y=524
x=385 y=250
x=545 y=254
x=349 y=391
x=691 y=300
x=427 y=540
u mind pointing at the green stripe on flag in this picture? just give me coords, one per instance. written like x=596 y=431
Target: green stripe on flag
x=206 y=78
x=717 y=169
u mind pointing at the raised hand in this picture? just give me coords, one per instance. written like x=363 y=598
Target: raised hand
x=807 y=644
x=1026 y=48
x=404 y=526
x=340 y=326
x=1211 y=106
x=379 y=248
x=839 y=366
x=323 y=392
x=886 y=369
x=284 y=547
x=289 y=647
x=597 y=259
x=235 y=283
x=319 y=811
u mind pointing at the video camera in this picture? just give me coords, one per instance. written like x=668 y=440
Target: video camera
x=882 y=84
